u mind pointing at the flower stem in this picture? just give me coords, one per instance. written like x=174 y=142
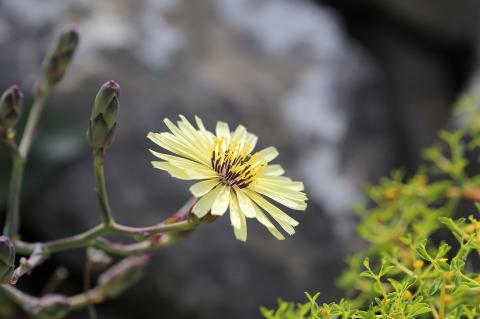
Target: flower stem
x=86 y=287
x=156 y=229
x=441 y=311
x=32 y=122
x=76 y=241
x=12 y=221
x=105 y=210
x=90 y=236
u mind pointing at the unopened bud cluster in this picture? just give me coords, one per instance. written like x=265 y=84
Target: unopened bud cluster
x=7 y=259
x=50 y=307
x=103 y=120
x=10 y=108
x=59 y=57
x=120 y=277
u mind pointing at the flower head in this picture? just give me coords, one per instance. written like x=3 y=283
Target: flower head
x=233 y=177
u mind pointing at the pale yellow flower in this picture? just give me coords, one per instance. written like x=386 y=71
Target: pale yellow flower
x=232 y=178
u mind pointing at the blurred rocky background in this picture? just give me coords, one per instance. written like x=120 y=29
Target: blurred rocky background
x=347 y=90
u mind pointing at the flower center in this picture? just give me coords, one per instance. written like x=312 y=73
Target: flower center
x=234 y=163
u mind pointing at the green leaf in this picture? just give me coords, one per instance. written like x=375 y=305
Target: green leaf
x=422 y=251
x=435 y=286
x=419 y=309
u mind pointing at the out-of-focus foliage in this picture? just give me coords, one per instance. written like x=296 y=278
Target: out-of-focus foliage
x=405 y=272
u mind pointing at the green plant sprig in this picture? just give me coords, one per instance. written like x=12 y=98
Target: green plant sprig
x=403 y=273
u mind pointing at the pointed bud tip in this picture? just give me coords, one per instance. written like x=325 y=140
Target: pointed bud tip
x=71 y=35
x=15 y=89
x=73 y=32
x=111 y=85
x=15 y=92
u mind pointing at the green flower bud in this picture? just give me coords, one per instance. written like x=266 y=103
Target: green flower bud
x=50 y=307
x=59 y=57
x=122 y=276
x=10 y=107
x=104 y=116
x=7 y=259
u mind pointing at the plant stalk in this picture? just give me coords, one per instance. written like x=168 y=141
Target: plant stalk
x=12 y=221
x=102 y=195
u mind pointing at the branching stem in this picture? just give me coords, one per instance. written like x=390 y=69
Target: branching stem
x=37 y=306
x=94 y=237
x=90 y=237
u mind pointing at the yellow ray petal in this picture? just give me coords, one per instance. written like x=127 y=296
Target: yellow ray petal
x=193 y=169
x=201 y=188
x=172 y=170
x=194 y=134
x=180 y=161
x=267 y=223
x=274 y=231
x=221 y=202
x=222 y=129
x=204 y=204
x=199 y=123
x=273 y=170
x=241 y=233
x=283 y=183
x=274 y=211
x=172 y=144
x=261 y=217
x=235 y=218
x=269 y=153
x=183 y=137
x=246 y=205
x=296 y=204
x=240 y=134
x=286 y=227
x=203 y=130
x=251 y=139
x=280 y=190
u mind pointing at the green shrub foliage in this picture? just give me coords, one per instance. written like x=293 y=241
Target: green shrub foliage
x=406 y=271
